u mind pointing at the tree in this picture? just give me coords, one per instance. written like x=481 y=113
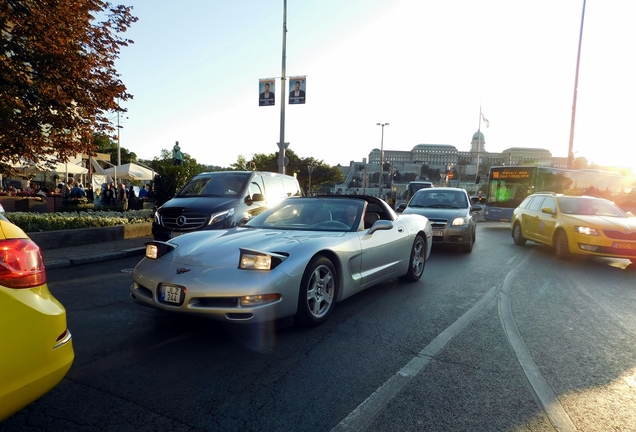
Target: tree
x=103 y=144
x=58 y=76
x=172 y=177
x=322 y=174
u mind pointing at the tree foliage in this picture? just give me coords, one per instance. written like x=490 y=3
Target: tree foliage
x=322 y=175
x=104 y=144
x=172 y=177
x=57 y=75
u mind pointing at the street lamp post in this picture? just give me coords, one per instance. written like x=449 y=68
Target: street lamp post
x=381 y=156
x=310 y=169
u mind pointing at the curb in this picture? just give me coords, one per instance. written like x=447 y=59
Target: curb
x=61 y=263
x=84 y=236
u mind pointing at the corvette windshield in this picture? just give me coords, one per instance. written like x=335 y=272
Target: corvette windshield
x=311 y=214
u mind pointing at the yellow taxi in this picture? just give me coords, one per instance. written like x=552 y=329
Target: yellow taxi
x=36 y=350
x=582 y=225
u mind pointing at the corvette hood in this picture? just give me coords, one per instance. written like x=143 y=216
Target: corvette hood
x=220 y=248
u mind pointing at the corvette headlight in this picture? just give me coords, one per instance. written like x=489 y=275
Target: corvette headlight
x=254 y=260
x=218 y=217
x=460 y=221
x=156 y=249
x=586 y=230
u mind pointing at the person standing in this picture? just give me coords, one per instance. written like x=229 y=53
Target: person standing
x=108 y=195
x=122 y=197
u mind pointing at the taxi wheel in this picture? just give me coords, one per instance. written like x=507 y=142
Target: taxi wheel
x=317 y=292
x=561 y=246
x=517 y=236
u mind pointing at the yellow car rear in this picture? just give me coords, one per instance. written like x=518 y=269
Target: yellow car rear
x=36 y=348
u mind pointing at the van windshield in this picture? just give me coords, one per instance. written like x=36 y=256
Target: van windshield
x=221 y=185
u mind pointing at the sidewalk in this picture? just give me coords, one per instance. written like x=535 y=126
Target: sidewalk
x=96 y=252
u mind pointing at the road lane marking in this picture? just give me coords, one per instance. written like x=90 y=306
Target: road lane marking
x=544 y=394
x=367 y=410
x=364 y=414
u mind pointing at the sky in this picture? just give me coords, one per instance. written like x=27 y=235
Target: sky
x=425 y=67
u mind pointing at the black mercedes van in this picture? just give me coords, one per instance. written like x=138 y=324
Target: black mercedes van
x=221 y=199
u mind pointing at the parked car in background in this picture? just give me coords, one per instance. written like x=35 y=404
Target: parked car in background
x=581 y=225
x=411 y=188
x=453 y=218
x=296 y=259
x=35 y=344
x=221 y=199
x=478 y=201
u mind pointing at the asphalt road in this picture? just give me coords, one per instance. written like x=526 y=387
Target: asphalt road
x=506 y=338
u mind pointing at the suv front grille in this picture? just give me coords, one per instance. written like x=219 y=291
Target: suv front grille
x=183 y=220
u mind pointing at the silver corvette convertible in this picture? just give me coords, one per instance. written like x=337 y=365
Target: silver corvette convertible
x=297 y=258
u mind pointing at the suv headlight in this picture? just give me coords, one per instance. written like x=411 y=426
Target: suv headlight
x=218 y=217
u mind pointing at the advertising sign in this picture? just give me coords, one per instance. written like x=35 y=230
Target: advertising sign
x=297 y=90
x=266 y=89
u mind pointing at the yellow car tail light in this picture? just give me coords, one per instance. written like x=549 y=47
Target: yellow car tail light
x=21 y=264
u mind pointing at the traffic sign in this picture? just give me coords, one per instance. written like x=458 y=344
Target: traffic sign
x=449 y=175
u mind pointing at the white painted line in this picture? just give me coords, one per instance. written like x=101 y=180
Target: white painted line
x=367 y=410
x=543 y=392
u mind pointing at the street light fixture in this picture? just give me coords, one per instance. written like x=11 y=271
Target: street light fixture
x=381 y=156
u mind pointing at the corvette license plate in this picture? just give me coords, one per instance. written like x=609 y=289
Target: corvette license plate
x=438 y=233
x=625 y=245
x=170 y=294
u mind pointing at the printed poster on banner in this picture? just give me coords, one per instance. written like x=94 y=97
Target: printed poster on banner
x=297 y=90
x=266 y=89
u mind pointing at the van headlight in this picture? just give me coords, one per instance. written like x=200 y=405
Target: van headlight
x=218 y=217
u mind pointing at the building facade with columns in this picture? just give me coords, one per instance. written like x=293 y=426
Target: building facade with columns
x=441 y=156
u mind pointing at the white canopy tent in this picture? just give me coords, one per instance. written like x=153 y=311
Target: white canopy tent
x=130 y=171
x=56 y=168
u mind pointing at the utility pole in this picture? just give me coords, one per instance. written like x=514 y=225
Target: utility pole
x=282 y=145
x=381 y=157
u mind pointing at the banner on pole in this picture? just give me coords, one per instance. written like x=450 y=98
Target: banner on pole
x=266 y=89
x=297 y=88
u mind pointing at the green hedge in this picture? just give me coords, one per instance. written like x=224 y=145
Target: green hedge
x=32 y=222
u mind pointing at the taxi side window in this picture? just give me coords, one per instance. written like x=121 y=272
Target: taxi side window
x=549 y=202
x=536 y=203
